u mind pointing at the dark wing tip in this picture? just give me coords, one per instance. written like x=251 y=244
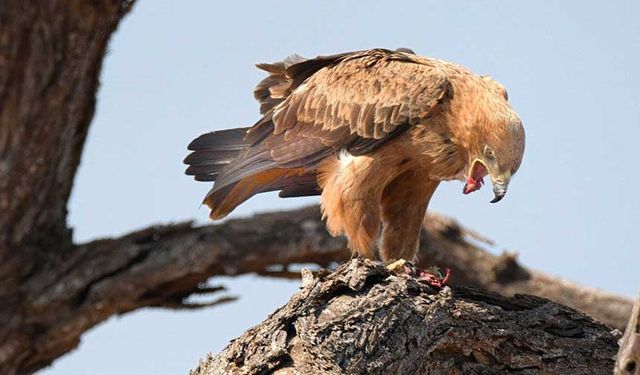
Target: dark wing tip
x=274 y=68
x=213 y=151
x=220 y=139
x=197 y=143
x=206 y=177
x=211 y=157
x=188 y=158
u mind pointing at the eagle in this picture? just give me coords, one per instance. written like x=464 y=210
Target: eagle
x=373 y=133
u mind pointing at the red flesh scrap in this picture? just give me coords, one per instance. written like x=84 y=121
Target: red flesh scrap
x=475 y=179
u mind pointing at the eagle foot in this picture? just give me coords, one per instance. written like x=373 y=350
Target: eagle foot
x=432 y=276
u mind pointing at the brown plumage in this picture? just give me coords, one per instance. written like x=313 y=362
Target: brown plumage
x=373 y=132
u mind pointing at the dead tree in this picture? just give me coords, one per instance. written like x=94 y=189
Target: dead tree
x=52 y=290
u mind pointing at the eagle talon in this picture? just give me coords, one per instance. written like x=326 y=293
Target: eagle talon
x=401 y=266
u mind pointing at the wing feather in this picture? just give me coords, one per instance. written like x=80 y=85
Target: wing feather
x=370 y=93
x=358 y=101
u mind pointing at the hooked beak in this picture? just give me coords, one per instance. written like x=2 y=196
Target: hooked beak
x=500 y=185
x=474 y=180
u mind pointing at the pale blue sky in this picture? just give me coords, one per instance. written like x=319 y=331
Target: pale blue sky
x=178 y=69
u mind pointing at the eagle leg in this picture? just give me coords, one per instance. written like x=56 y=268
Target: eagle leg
x=432 y=276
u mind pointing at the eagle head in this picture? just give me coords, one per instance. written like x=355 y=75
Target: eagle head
x=497 y=153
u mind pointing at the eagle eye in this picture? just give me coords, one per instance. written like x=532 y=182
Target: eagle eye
x=488 y=153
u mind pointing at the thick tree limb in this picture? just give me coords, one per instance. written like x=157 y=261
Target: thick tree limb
x=476 y=267
x=183 y=254
x=51 y=55
x=363 y=320
x=151 y=267
x=162 y=266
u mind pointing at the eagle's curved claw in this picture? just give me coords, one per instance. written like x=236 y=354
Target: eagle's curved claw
x=400 y=266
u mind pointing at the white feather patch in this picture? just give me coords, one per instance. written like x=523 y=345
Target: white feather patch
x=301 y=89
x=345 y=158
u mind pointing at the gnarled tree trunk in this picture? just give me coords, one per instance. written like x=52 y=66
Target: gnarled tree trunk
x=362 y=319
x=51 y=54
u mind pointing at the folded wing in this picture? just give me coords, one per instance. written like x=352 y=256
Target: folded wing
x=314 y=108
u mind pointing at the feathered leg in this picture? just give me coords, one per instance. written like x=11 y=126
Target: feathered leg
x=404 y=205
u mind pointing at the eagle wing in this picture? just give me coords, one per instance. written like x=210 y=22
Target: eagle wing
x=312 y=109
x=353 y=101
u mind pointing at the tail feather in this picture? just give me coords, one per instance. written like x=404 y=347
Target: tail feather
x=210 y=177
x=214 y=151
x=240 y=169
x=199 y=170
x=238 y=162
x=293 y=182
x=206 y=157
x=229 y=139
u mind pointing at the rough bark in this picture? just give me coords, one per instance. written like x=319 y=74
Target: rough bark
x=362 y=319
x=50 y=57
x=161 y=266
x=52 y=291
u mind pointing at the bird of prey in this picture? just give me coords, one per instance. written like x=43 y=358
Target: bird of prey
x=373 y=133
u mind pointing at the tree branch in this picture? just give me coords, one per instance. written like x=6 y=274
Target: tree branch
x=362 y=319
x=185 y=256
x=164 y=265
